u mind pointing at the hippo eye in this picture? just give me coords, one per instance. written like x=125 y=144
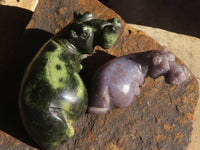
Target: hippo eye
x=157 y=60
x=85 y=35
x=73 y=34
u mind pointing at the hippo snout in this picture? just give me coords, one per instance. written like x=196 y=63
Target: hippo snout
x=116 y=23
x=109 y=33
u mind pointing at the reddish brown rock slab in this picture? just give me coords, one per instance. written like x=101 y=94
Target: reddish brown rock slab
x=8 y=142
x=159 y=118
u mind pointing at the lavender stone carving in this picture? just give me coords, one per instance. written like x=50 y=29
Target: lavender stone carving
x=117 y=82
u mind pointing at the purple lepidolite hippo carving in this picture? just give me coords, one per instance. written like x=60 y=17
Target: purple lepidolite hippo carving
x=117 y=82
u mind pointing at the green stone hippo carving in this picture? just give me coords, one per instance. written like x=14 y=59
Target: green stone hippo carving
x=53 y=95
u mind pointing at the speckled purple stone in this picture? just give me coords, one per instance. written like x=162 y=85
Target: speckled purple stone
x=117 y=82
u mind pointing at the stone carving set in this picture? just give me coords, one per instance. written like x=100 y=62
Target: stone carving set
x=53 y=95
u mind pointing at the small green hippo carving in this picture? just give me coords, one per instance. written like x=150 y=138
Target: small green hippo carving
x=52 y=95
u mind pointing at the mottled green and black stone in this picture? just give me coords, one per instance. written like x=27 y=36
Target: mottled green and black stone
x=52 y=95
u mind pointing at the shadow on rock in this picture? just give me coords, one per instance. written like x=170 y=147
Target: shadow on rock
x=17 y=48
x=91 y=64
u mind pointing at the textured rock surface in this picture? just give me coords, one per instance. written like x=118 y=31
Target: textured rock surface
x=160 y=117
x=186 y=48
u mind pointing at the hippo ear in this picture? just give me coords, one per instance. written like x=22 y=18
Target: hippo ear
x=87 y=16
x=77 y=15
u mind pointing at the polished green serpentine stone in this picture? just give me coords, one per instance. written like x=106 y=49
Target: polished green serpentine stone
x=53 y=95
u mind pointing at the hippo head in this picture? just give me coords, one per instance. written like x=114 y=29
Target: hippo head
x=160 y=62
x=164 y=63
x=85 y=32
